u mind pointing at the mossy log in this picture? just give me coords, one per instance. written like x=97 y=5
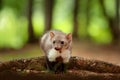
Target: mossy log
x=78 y=69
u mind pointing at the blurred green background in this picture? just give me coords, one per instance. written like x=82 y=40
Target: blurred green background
x=22 y=22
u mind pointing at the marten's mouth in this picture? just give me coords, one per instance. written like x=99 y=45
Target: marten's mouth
x=58 y=49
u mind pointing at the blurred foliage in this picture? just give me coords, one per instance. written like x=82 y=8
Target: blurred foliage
x=18 y=6
x=12 y=33
x=98 y=27
x=110 y=7
x=13 y=20
x=38 y=17
x=62 y=15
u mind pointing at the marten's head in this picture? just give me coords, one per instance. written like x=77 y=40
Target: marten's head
x=61 y=42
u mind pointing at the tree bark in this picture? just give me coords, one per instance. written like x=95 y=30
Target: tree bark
x=31 y=37
x=88 y=4
x=78 y=69
x=88 y=12
x=49 y=4
x=117 y=12
x=1 y=4
x=118 y=16
x=75 y=18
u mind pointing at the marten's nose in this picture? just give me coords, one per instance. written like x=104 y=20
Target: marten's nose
x=56 y=48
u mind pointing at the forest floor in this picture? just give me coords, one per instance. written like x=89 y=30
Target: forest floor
x=16 y=70
x=109 y=53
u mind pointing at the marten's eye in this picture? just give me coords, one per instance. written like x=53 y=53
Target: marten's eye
x=53 y=42
x=62 y=42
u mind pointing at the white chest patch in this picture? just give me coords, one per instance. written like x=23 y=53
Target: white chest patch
x=53 y=54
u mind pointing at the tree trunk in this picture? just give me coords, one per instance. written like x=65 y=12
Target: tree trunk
x=118 y=4
x=113 y=22
x=87 y=12
x=49 y=4
x=118 y=16
x=31 y=37
x=88 y=17
x=117 y=12
x=75 y=18
x=78 y=69
x=1 y=4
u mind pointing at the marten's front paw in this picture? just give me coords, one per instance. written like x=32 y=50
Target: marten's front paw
x=60 y=68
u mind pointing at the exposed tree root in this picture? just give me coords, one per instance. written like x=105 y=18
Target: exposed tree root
x=78 y=69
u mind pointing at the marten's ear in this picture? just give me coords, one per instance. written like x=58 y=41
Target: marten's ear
x=69 y=36
x=52 y=34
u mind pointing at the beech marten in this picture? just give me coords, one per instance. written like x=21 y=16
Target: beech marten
x=57 y=48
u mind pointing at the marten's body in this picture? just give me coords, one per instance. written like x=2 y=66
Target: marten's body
x=57 y=48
